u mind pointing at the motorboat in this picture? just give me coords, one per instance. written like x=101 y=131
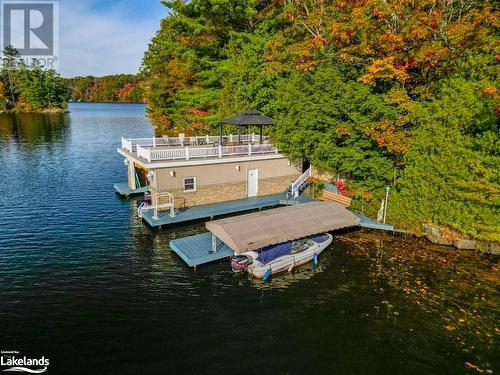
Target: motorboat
x=283 y=257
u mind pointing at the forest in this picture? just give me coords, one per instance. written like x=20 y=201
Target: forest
x=30 y=88
x=122 y=88
x=382 y=93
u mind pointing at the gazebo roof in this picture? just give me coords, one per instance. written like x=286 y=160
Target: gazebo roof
x=252 y=117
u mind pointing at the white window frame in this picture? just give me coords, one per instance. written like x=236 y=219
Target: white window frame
x=184 y=184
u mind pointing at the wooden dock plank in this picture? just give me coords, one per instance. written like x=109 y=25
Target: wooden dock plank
x=212 y=210
x=123 y=189
x=195 y=250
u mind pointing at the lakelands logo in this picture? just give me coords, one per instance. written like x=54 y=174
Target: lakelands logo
x=31 y=27
x=14 y=362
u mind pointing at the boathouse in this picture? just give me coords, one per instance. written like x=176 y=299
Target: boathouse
x=183 y=172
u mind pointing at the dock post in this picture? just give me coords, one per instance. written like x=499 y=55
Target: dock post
x=387 y=189
x=214 y=244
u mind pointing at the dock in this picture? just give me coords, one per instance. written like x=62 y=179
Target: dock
x=195 y=250
x=205 y=211
x=123 y=189
x=366 y=222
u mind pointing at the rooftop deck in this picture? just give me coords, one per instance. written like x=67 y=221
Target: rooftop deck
x=211 y=210
x=188 y=148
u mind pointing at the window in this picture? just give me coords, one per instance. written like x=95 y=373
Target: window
x=190 y=184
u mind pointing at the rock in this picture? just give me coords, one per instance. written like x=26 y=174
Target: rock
x=433 y=234
x=465 y=244
x=489 y=247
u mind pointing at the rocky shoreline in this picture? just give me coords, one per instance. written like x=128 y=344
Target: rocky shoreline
x=442 y=236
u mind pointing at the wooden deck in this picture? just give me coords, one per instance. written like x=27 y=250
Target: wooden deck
x=123 y=189
x=195 y=250
x=211 y=210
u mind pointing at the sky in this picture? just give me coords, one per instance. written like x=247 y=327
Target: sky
x=101 y=37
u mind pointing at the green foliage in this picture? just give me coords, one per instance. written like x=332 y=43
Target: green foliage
x=452 y=168
x=184 y=63
x=41 y=89
x=30 y=88
x=381 y=93
x=325 y=120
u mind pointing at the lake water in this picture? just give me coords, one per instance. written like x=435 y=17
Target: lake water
x=84 y=283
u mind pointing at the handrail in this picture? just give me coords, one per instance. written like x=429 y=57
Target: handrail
x=298 y=183
x=188 y=153
x=157 y=205
x=132 y=143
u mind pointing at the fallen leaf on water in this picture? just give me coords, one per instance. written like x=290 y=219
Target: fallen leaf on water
x=473 y=366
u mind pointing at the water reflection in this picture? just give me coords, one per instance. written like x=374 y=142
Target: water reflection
x=34 y=128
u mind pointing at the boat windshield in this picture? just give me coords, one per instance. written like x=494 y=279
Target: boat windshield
x=301 y=245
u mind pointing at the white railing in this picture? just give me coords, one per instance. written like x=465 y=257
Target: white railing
x=188 y=153
x=132 y=143
x=144 y=152
x=298 y=183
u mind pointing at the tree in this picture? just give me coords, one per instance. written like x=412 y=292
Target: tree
x=452 y=168
x=8 y=77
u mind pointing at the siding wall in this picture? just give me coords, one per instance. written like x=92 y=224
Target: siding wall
x=222 y=182
x=215 y=174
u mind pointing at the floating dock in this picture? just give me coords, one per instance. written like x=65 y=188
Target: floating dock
x=212 y=210
x=195 y=250
x=123 y=189
x=370 y=224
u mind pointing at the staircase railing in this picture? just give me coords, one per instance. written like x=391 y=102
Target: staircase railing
x=298 y=183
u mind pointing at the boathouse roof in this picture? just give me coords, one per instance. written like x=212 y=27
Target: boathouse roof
x=252 y=117
x=257 y=230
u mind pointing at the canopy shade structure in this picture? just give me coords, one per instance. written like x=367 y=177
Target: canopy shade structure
x=257 y=230
x=248 y=118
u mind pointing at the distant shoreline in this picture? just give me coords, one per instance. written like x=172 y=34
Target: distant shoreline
x=78 y=102
x=44 y=111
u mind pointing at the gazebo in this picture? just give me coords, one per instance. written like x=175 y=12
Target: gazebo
x=247 y=118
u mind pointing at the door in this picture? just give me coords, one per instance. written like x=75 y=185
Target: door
x=253 y=182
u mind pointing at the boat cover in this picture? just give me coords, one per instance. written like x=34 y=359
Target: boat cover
x=270 y=227
x=270 y=253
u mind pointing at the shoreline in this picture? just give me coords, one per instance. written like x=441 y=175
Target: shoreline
x=42 y=111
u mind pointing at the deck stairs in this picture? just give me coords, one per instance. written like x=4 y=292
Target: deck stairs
x=294 y=191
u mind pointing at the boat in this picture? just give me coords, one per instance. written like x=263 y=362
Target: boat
x=283 y=257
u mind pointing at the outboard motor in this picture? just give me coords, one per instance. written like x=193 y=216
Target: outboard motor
x=241 y=262
x=147 y=198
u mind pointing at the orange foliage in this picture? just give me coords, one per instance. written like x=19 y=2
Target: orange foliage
x=398 y=40
x=200 y=113
x=385 y=69
x=342 y=131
